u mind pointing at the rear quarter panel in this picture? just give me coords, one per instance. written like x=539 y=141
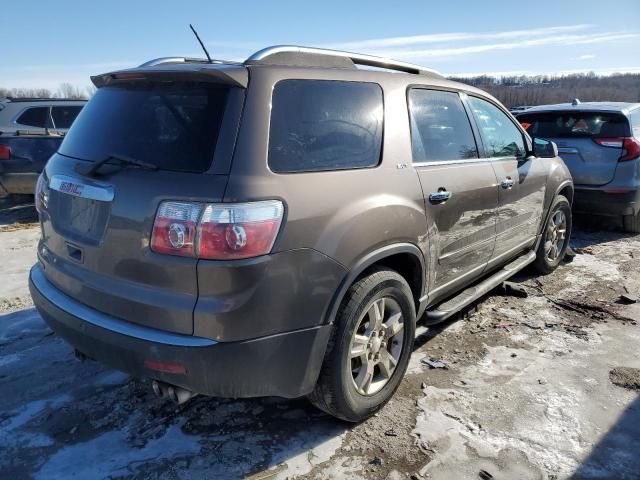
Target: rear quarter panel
x=342 y=214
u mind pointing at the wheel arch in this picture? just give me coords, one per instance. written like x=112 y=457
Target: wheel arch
x=566 y=189
x=405 y=258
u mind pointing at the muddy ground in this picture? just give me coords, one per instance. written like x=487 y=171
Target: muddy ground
x=542 y=387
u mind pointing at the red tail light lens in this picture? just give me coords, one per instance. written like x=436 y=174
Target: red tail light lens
x=630 y=149
x=217 y=231
x=630 y=146
x=239 y=230
x=175 y=228
x=5 y=152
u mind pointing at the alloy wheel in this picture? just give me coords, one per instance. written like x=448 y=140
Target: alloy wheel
x=555 y=236
x=376 y=345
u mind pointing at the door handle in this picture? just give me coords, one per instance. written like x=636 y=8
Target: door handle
x=440 y=196
x=507 y=183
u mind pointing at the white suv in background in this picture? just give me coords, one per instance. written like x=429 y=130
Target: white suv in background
x=38 y=115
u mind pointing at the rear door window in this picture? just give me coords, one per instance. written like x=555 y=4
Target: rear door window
x=172 y=125
x=440 y=128
x=500 y=136
x=63 y=117
x=574 y=124
x=34 y=117
x=321 y=125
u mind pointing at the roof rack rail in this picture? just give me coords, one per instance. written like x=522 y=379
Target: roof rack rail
x=266 y=56
x=162 y=60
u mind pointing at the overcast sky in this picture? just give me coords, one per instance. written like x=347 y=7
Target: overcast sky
x=46 y=44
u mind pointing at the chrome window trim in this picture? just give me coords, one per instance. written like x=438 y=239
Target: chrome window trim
x=101 y=320
x=450 y=162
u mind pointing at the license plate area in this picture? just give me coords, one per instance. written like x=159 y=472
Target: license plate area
x=79 y=210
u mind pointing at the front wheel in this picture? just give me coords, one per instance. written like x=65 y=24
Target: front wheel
x=555 y=236
x=370 y=347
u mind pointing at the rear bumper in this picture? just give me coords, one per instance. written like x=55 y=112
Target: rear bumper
x=600 y=202
x=20 y=183
x=285 y=365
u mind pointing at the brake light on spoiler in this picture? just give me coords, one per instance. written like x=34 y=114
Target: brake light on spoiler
x=630 y=146
x=216 y=231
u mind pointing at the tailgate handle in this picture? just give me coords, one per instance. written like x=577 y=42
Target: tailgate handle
x=75 y=253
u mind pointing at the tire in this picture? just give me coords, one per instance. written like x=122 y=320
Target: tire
x=631 y=223
x=547 y=261
x=336 y=392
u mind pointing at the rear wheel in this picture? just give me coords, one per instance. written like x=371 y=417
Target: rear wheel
x=370 y=347
x=555 y=236
x=631 y=223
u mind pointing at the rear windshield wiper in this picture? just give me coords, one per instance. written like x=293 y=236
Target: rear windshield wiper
x=120 y=160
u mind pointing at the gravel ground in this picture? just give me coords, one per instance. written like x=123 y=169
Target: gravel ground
x=542 y=387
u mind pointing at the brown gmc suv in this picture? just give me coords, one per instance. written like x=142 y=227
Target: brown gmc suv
x=278 y=226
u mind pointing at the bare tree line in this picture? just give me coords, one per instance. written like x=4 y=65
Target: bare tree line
x=515 y=91
x=65 y=90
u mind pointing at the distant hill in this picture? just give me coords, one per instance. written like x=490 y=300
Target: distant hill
x=515 y=91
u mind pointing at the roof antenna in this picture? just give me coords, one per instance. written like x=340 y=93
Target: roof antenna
x=201 y=44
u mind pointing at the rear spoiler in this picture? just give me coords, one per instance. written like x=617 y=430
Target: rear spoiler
x=235 y=75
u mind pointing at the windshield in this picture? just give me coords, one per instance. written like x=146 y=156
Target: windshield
x=174 y=126
x=574 y=124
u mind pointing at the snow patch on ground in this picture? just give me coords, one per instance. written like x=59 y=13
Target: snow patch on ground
x=18 y=254
x=303 y=463
x=112 y=378
x=24 y=323
x=596 y=265
x=9 y=359
x=12 y=433
x=111 y=455
x=519 y=413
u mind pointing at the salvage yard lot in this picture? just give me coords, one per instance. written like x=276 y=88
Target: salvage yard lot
x=528 y=393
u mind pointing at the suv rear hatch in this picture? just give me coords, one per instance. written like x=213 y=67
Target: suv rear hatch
x=582 y=137
x=97 y=226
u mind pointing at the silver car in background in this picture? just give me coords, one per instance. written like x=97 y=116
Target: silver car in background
x=600 y=143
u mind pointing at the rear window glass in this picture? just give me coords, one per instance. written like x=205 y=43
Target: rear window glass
x=325 y=125
x=34 y=117
x=574 y=124
x=63 y=117
x=172 y=125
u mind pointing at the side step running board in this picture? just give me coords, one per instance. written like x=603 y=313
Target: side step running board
x=457 y=303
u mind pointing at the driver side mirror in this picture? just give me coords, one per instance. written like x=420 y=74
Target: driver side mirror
x=544 y=148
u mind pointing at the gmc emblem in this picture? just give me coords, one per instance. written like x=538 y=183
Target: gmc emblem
x=71 y=188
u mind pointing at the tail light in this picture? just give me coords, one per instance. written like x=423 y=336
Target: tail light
x=41 y=197
x=5 y=152
x=217 y=231
x=174 y=229
x=630 y=146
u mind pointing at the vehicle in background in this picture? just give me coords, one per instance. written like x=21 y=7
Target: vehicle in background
x=31 y=130
x=600 y=143
x=517 y=110
x=282 y=236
